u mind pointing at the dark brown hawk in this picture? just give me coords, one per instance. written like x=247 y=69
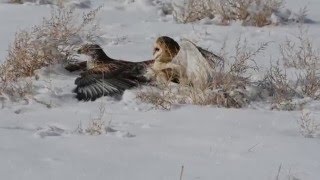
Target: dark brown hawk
x=104 y=76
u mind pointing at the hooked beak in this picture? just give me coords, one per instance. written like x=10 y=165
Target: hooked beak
x=156 y=56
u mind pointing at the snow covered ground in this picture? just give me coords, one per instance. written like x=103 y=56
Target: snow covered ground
x=37 y=142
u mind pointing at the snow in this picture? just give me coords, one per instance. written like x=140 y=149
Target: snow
x=37 y=142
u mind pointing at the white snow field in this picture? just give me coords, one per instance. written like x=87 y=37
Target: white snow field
x=140 y=143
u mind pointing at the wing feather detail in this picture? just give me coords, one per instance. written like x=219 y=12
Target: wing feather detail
x=95 y=84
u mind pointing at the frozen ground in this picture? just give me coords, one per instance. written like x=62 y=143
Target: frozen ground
x=39 y=143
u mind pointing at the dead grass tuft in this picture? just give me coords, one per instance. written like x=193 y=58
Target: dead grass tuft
x=302 y=57
x=299 y=57
x=308 y=126
x=250 y=12
x=278 y=84
x=51 y=42
x=16 y=1
x=97 y=126
x=55 y=2
x=192 y=10
x=300 y=54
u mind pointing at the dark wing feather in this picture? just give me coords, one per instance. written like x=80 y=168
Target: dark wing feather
x=92 y=86
x=105 y=87
x=109 y=80
x=216 y=60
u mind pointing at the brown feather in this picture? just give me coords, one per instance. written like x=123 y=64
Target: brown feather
x=108 y=76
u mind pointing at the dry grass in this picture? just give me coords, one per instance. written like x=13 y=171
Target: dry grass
x=244 y=57
x=280 y=89
x=250 y=12
x=234 y=74
x=300 y=54
x=51 y=42
x=305 y=59
x=299 y=57
x=165 y=97
x=98 y=125
x=56 y=2
x=277 y=83
x=161 y=97
x=16 y=1
x=308 y=126
x=20 y=90
x=192 y=10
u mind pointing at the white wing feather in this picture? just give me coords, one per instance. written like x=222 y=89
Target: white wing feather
x=192 y=65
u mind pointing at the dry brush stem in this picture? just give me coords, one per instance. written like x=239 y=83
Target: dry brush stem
x=97 y=126
x=51 y=42
x=235 y=71
x=301 y=58
x=301 y=54
x=16 y=1
x=161 y=97
x=244 y=58
x=250 y=12
x=305 y=59
x=282 y=90
x=56 y=2
x=310 y=83
x=192 y=10
x=165 y=97
x=307 y=125
x=277 y=84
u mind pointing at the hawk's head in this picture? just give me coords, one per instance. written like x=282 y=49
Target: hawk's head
x=94 y=51
x=165 y=49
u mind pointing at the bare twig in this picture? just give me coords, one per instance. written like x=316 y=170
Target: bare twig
x=181 y=172
x=279 y=171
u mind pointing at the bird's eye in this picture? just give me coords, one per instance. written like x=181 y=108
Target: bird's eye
x=156 y=49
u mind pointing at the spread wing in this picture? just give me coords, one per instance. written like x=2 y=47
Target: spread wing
x=109 y=79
